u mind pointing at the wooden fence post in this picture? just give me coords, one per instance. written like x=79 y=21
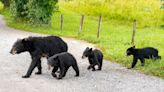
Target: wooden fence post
x=134 y=31
x=99 y=26
x=61 y=22
x=81 y=23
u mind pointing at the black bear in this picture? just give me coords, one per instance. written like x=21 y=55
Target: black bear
x=39 y=47
x=95 y=57
x=63 y=61
x=141 y=54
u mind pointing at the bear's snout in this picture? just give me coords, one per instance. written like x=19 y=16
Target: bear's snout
x=13 y=51
x=83 y=57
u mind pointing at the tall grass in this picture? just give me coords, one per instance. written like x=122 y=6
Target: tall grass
x=146 y=12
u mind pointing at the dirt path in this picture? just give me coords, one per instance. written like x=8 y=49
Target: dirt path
x=113 y=77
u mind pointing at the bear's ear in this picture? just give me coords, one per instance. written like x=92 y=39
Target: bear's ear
x=87 y=48
x=90 y=49
x=133 y=46
x=56 y=59
x=24 y=40
x=27 y=42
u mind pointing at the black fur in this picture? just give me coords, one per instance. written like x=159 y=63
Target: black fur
x=95 y=57
x=63 y=61
x=39 y=47
x=142 y=54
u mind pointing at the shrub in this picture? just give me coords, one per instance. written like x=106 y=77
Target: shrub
x=40 y=10
x=35 y=11
x=19 y=8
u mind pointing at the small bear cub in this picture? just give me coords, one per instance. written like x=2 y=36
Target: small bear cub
x=142 y=54
x=95 y=57
x=62 y=61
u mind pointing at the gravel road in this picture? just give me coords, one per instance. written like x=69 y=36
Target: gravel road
x=112 y=78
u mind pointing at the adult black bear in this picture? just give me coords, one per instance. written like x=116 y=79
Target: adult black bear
x=95 y=57
x=63 y=61
x=141 y=54
x=39 y=47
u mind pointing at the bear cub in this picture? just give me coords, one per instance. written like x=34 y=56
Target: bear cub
x=142 y=54
x=95 y=57
x=63 y=61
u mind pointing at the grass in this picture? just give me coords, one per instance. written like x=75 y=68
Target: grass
x=146 y=12
x=114 y=38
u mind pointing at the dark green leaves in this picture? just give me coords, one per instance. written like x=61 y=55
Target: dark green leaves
x=34 y=11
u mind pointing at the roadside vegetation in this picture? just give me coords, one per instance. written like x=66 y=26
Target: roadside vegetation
x=116 y=29
x=1 y=6
x=146 y=12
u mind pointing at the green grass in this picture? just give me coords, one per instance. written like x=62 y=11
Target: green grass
x=114 y=38
x=146 y=12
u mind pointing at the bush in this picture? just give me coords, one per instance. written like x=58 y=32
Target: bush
x=19 y=8
x=35 y=11
x=40 y=11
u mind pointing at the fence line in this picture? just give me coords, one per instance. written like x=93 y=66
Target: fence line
x=61 y=22
x=81 y=23
x=99 y=26
x=134 y=31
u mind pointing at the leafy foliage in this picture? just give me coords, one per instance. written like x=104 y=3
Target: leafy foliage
x=19 y=8
x=40 y=10
x=36 y=11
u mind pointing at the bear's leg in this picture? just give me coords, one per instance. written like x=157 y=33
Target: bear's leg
x=75 y=67
x=89 y=67
x=100 y=65
x=142 y=61
x=39 y=67
x=93 y=68
x=134 y=62
x=62 y=69
x=31 y=68
x=66 y=69
x=53 y=71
